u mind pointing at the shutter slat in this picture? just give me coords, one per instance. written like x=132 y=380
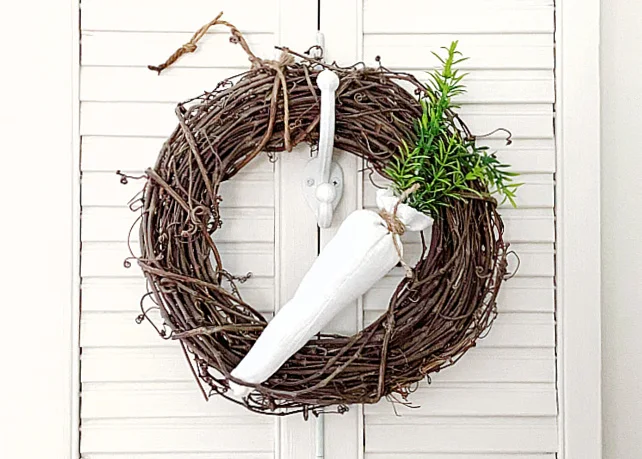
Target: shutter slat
x=121 y=330
x=522 y=294
x=135 y=154
x=514 y=330
x=464 y=435
x=105 y=189
x=141 y=49
x=486 y=400
x=473 y=16
x=183 y=16
x=138 y=84
x=195 y=455
x=490 y=365
x=531 y=121
x=105 y=294
x=177 y=435
x=111 y=224
x=486 y=52
x=105 y=259
x=163 y=399
x=427 y=455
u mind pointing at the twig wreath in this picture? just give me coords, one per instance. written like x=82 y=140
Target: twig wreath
x=435 y=315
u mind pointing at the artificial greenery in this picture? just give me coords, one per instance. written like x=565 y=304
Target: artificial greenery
x=444 y=161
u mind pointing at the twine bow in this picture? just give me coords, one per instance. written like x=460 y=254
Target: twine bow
x=397 y=228
x=284 y=60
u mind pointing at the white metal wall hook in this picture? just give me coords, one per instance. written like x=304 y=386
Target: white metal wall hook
x=323 y=178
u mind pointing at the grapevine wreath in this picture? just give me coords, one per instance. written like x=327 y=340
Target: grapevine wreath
x=414 y=138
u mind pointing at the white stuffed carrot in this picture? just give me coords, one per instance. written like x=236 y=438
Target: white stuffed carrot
x=360 y=254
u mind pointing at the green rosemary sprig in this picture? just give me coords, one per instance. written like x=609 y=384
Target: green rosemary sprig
x=444 y=161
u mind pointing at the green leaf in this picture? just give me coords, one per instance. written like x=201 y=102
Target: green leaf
x=443 y=159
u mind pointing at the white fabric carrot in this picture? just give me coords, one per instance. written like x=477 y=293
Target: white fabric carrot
x=364 y=250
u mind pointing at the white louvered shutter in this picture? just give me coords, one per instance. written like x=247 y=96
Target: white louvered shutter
x=500 y=400
x=139 y=399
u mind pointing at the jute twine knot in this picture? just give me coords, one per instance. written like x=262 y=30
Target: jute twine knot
x=397 y=228
x=284 y=60
x=278 y=66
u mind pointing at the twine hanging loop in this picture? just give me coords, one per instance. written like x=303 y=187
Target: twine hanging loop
x=278 y=66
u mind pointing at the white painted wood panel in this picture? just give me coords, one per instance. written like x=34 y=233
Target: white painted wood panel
x=500 y=400
x=486 y=51
x=133 y=49
x=192 y=455
x=108 y=154
x=126 y=400
x=455 y=456
x=481 y=365
x=105 y=259
x=535 y=260
x=343 y=435
x=122 y=119
x=240 y=224
x=499 y=435
x=138 y=84
x=458 y=16
x=511 y=330
x=127 y=371
x=118 y=294
x=230 y=434
x=105 y=189
x=119 y=329
x=166 y=17
x=466 y=399
x=139 y=399
x=297 y=243
x=523 y=294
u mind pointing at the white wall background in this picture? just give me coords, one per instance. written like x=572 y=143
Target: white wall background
x=622 y=228
x=34 y=397
x=138 y=397
x=36 y=228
